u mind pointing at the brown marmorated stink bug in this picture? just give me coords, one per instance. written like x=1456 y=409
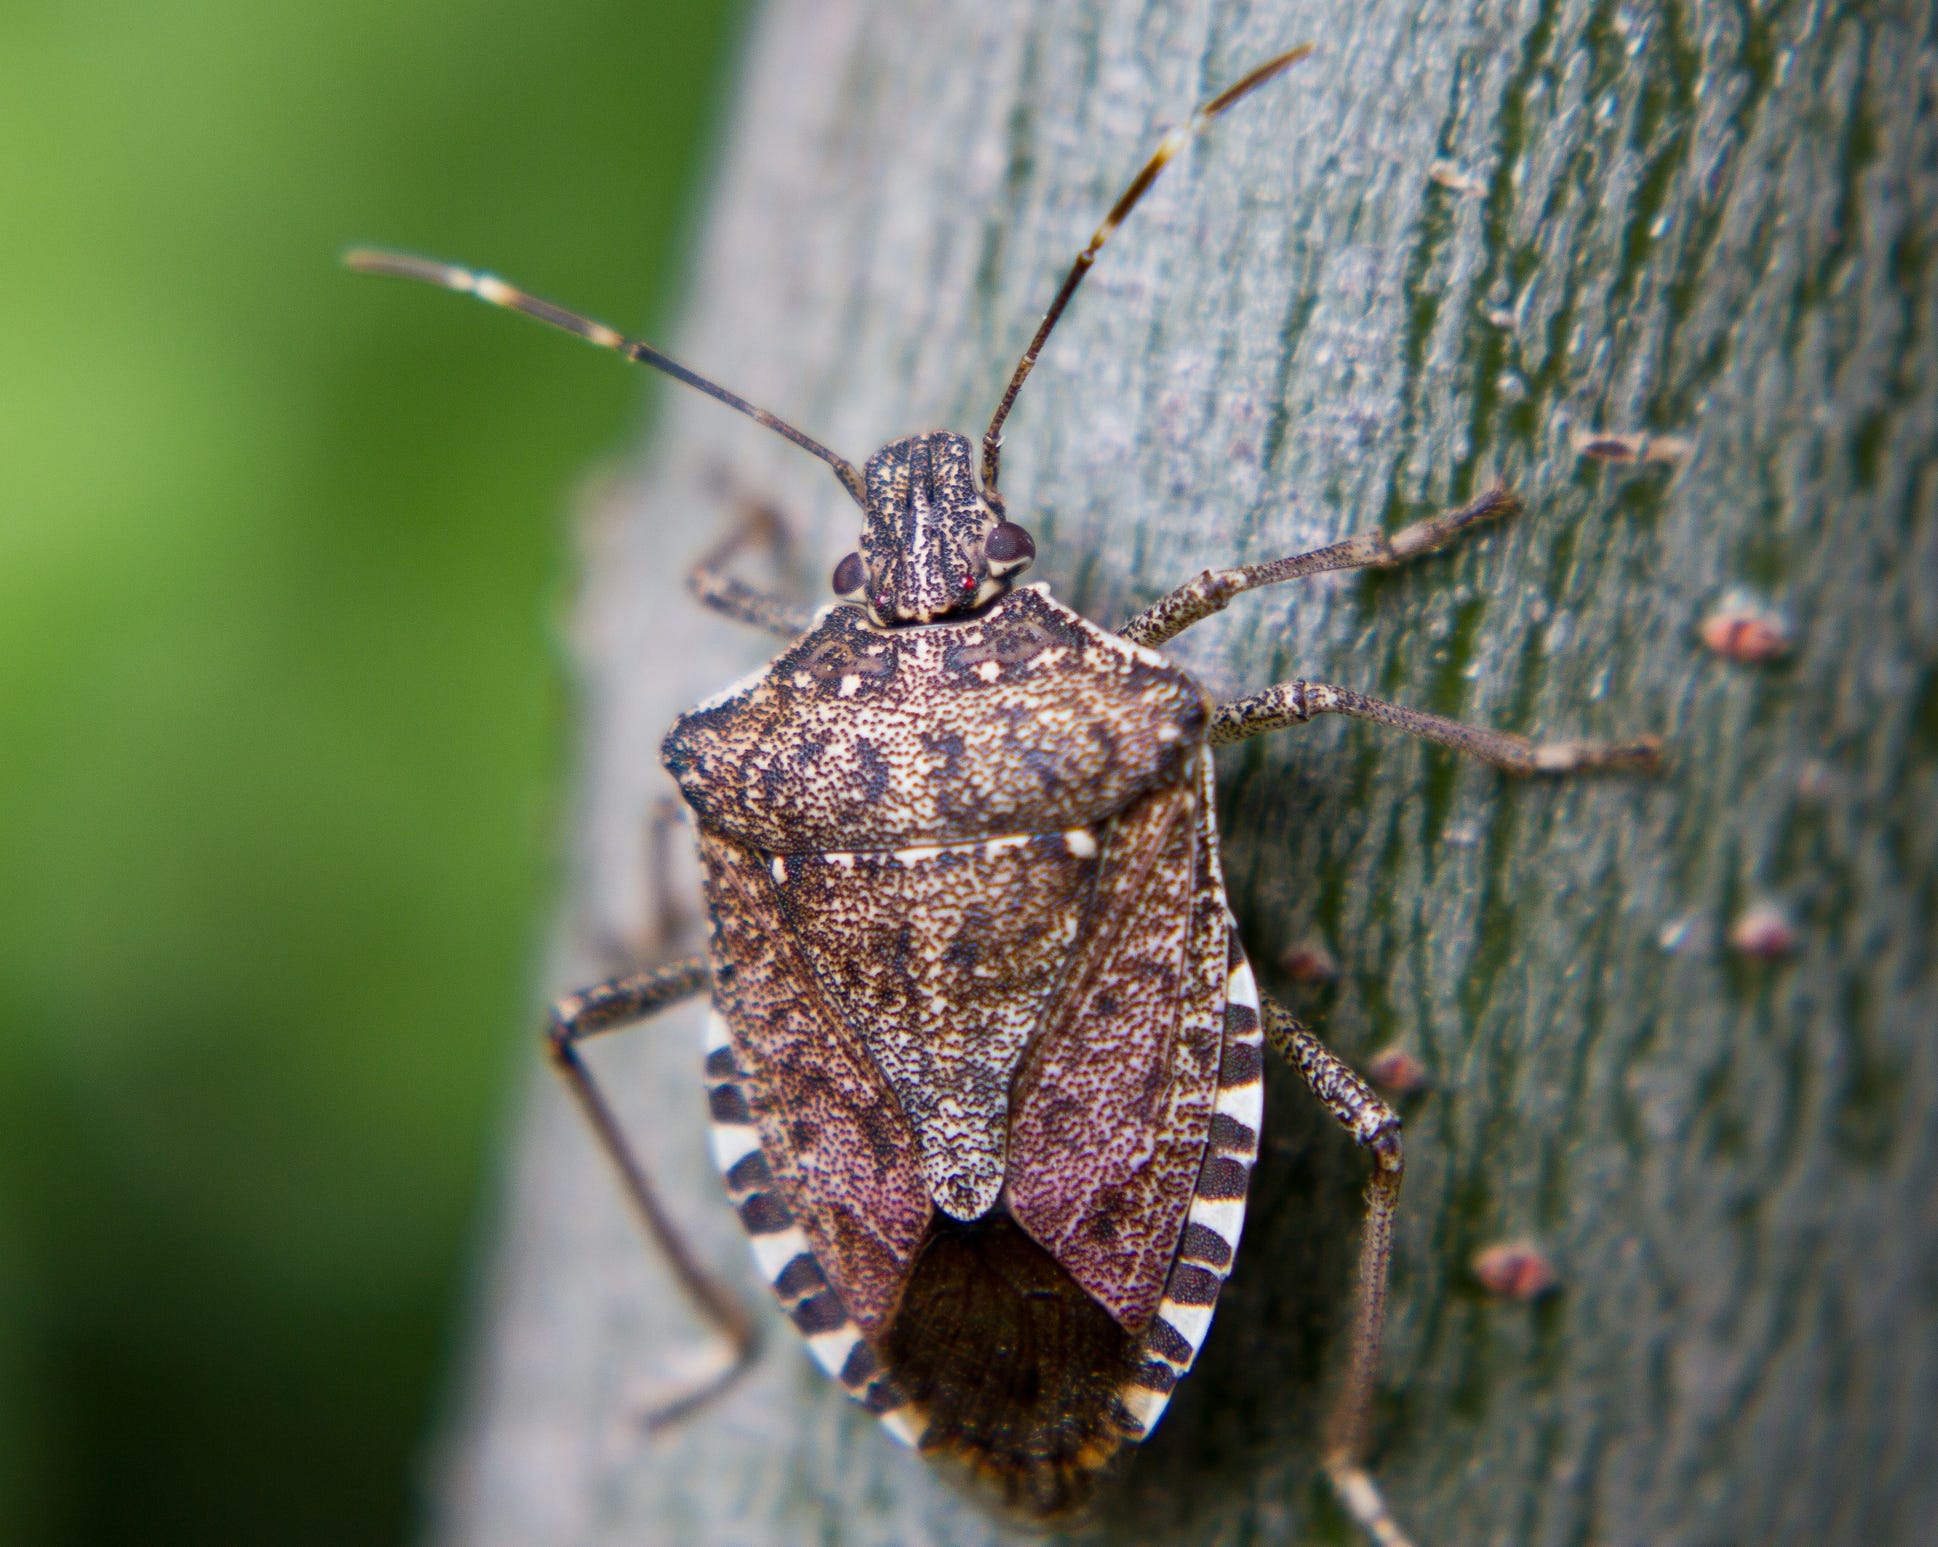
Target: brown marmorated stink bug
x=985 y=1063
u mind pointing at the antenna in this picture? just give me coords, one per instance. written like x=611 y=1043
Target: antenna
x=496 y=292
x=1172 y=143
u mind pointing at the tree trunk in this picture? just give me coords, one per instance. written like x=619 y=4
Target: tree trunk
x=1431 y=258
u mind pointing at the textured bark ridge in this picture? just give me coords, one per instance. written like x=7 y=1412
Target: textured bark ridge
x=1433 y=257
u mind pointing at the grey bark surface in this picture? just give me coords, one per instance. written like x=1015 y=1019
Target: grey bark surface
x=1702 y=220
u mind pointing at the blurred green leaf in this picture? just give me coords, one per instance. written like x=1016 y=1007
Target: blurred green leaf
x=279 y=708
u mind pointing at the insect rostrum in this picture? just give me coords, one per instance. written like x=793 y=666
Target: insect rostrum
x=985 y=1067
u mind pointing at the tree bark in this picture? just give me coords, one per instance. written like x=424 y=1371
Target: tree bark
x=1428 y=259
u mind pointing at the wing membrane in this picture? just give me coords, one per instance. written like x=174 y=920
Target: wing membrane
x=833 y=1133
x=1114 y=1104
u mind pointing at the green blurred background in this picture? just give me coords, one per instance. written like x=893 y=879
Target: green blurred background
x=281 y=721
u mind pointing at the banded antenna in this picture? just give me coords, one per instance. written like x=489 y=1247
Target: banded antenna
x=1172 y=143
x=496 y=292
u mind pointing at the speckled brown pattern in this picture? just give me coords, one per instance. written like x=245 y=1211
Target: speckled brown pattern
x=1026 y=719
x=943 y=960
x=1114 y=1106
x=922 y=544
x=842 y=1153
x=971 y=960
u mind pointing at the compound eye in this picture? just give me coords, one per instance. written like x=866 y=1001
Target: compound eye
x=1008 y=544
x=849 y=575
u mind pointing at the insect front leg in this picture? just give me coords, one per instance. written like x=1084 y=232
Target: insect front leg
x=620 y=1002
x=669 y=917
x=1214 y=590
x=1376 y=1127
x=757 y=524
x=1294 y=703
x=672 y=916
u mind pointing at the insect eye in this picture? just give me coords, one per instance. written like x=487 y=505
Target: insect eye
x=849 y=576
x=1008 y=543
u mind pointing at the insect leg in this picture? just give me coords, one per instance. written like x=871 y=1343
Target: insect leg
x=1294 y=703
x=672 y=917
x=607 y=1007
x=757 y=524
x=1375 y=1126
x=669 y=917
x=1214 y=590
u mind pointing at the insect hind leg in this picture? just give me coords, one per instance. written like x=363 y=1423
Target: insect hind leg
x=1376 y=1128
x=610 y=1006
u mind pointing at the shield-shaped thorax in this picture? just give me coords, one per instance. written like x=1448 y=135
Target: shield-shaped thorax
x=1028 y=719
x=908 y=834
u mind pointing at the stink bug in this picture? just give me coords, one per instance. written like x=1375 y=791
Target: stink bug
x=985 y=1066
